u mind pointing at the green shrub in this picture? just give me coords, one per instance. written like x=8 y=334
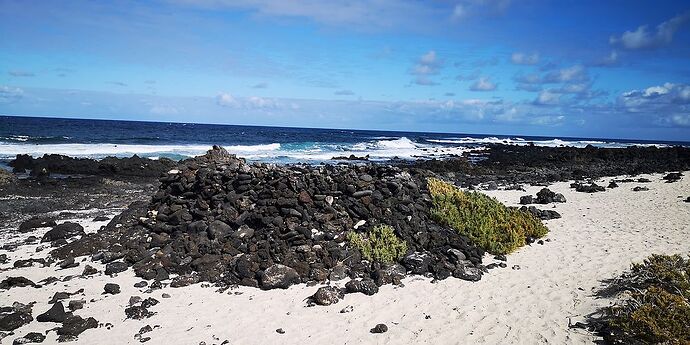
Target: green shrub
x=657 y=306
x=379 y=244
x=493 y=226
x=655 y=316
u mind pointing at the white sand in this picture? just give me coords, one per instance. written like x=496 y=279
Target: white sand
x=599 y=236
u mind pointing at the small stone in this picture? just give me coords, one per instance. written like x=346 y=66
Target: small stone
x=141 y=284
x=111 y=288
x=115 y=267
x=134 y=300
x=68 y=263
x=165 y=295
x=75 y=325
x=30 y=338
x=88 y=271
x=327 y=295
x=55 y=314
x=347 y=309
x=280 y=331
x=278 y=276
x=76 y=305
x=380 y=328
x=366 y=286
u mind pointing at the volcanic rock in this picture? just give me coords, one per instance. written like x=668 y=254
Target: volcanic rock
x=11 y=282
x=673 y=177
x=366 y=286
x=30 y=338
x=63 y=231
x=327 y=295
x=115 y=267
x=278 y=276
x=75 y=325
x=56 y=313
x=111 y=288
x=380 y=328
x=541 y=214
x=36 y=222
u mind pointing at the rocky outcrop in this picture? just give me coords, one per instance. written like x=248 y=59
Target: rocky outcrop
x=109 y=166
x=218 y=219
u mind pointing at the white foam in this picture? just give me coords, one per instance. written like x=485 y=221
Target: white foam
x=546 y=143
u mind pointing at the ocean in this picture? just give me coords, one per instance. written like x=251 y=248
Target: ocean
x=100 y=138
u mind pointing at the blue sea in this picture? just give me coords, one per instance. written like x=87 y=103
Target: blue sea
x=101 y=138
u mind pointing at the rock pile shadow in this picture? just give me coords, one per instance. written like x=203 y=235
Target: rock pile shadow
x=216 y=218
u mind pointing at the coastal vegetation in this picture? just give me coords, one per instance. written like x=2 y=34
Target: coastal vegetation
x=378 y=244
x=493 y=226
x=655 y=307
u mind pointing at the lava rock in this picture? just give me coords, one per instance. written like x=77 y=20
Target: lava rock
x=673 y=177
x=115 y=267
x=89 y=271
x=184 y=280
x=75 y=325
x=380 y=328
x=640 y=189
x=76 y=305
x=56 y=313
x=11 y=282
x=526 y=200
x=138 y=312
x=541 y=214
x=111 y=288
x=12 y=320
x=63 y=231
x=36 y=222
x=30 y=338
x=278 y=276
x=366 y=286
x=327 y=295
x=590 y=188
x=467 y=272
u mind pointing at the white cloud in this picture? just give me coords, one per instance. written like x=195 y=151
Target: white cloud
x=344 y=93
x=260 y=102
x=427 y=65
x=254 y=102
x=607 y=61
x=569 y=74
x=644 y=38
x=10 y=94
x=226 y=100
x=547 y=97
x=525 y=59
x=262 y=85
x=669 y=103
x=483 y=84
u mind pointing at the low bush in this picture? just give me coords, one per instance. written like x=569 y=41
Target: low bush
x=655 y=308
x=493 y=226
x=379 y=244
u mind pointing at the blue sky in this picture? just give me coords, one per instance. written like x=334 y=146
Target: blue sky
x=555 y=68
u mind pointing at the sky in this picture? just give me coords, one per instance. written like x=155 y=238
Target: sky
x=604 y=69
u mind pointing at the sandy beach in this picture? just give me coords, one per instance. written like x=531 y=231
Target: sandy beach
x=532 y=301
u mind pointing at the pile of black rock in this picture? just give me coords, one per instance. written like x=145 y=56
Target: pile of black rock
x=218 y=219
